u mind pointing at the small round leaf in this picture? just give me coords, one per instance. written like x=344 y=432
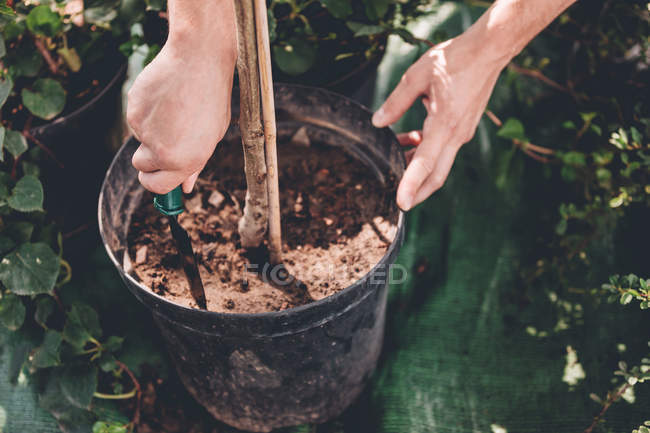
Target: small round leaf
x=27 y=195
x=46 y=99
x=43 y=21
x=29 y=270
x=295 y=56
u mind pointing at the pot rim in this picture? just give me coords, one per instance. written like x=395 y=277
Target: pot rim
x=395 y=243
x=119 y=75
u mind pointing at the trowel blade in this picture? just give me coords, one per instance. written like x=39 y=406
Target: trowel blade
x=184 y=246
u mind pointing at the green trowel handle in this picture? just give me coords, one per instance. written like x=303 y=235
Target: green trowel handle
x=170 y=203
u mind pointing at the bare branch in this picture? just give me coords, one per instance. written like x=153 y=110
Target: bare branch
x=252 y=225
x=270 y=131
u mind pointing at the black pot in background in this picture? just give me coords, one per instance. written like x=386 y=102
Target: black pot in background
x=306 y=364
x=83 y=143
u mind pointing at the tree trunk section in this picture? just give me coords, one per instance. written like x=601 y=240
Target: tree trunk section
x=252 y=225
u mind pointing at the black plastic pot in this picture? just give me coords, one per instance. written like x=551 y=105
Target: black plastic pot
x=306 y=364
x=83 y=143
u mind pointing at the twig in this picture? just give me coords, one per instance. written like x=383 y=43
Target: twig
x=252 y=225
x=534 y=155
x=83 y=227
x=528 y=148
x=493 y=117
x=539 y=149
x=611 y=400
x=138 y=391
x=46 y=56
x=28 y=135
x=538 y=75
x=270 y=131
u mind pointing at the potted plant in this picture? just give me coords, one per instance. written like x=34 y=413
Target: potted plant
x=60 y=96
x=263 y=370
x=296 y=341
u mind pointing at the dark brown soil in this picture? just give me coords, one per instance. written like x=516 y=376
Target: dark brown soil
x=337 y=223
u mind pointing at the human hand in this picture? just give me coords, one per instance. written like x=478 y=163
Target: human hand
x=455 y=80
x=179 y=106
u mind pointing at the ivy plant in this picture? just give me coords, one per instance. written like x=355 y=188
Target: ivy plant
x=48 y=51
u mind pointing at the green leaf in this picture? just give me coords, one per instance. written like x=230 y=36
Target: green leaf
x=338 y=8
x=45 y=306
x=596 y=129
x=568 y=173
x=71 y=419
x=603 y=175
x=602 y=157
x=27 y=195
x=113 y=343
x=43 y=21
x=24 y=61
x=152 y=52
x=109 y=427
x=71 y=58
x=626 y=298
x=30 y=270
x=512 y=129
x=78 y=384
x=561 y=227
x=29 y=168
x=3 y=48
x=47 y=354
x=20 y=231
x=107 y=362
x=13 y=29
x=6 y=86
x=46 y=99
x=376 y=9
x=82 y=325
x=6 y=244
x=6 y=10
x=19 y=354
x=15 y=143
x=295 y=56
x=574 y=158
x=12 y=311
x=100 y=15
x=361 y=29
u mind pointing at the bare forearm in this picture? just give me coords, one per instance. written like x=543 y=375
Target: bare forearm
x=508 y=25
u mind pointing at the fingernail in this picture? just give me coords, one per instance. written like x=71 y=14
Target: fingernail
x=405 y=203
x=378 y=117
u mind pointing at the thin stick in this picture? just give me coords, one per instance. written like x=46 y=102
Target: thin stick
x=270 y=131
x=252 y=225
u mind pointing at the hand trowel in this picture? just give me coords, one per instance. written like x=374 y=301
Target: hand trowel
x=171 y=205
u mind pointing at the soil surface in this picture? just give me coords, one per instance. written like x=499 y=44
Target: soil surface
x=337 y=223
